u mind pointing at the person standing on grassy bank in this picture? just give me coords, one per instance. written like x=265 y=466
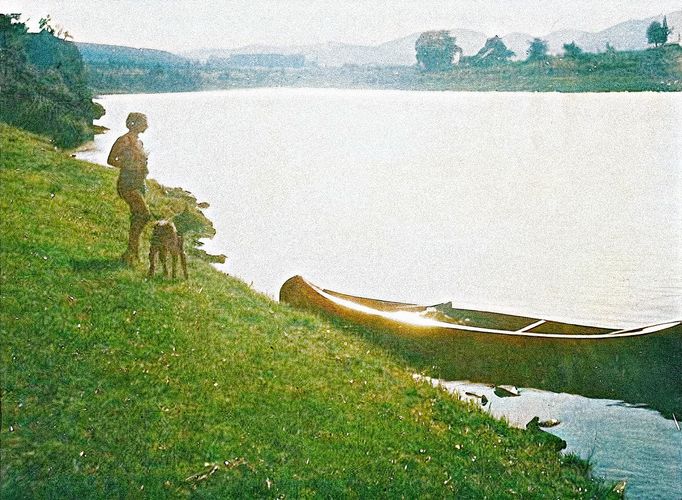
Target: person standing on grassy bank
x=128 y=154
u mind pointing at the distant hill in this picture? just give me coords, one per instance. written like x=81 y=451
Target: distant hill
x=94 y=53
x=629 y=35
x=399 y=52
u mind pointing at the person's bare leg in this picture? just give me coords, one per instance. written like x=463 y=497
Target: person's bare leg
x=139 y=217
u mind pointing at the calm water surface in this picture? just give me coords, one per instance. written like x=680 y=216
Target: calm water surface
x=565 y=206
x=623 y=443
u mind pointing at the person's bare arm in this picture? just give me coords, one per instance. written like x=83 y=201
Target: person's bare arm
x=119 y=151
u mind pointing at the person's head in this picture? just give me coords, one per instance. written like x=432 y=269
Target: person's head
x=136 y=122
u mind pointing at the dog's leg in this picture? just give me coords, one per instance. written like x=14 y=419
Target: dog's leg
x=183 y=263
x=174 y=256
x=153 y=251
x=183 y=256
x=164 y=257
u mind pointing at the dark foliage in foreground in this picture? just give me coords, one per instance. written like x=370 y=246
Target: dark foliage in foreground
x=43 y=86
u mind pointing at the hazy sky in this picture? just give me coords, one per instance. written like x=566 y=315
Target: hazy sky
x=179 y=25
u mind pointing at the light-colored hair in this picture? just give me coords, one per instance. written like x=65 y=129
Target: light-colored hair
x=135 y=118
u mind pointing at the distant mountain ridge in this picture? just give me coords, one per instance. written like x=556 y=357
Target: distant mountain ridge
x=628 y=35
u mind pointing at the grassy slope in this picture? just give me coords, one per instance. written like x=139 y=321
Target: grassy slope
x=118 y=386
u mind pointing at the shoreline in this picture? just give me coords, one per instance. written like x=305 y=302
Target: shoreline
x=575 y=419
x=627 y=71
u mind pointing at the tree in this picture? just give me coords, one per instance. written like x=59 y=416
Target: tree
x=436 y=50
x=653 y=33
x=572 y=51
x=537 y=50
x=14 y=68
x=658 y=33
x=45 y=24
x=493 y=52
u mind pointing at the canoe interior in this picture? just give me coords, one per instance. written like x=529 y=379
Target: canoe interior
x=470 y=317
x=494 y=320
x=380 y=305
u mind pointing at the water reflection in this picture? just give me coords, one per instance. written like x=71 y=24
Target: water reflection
x=621 y=441
x=643 y=369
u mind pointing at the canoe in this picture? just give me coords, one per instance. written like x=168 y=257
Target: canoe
x=637 y=365
x=299 y=292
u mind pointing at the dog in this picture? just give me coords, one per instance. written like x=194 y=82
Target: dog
x=165 y=239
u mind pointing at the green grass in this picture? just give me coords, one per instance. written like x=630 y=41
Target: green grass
x=118 y=386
